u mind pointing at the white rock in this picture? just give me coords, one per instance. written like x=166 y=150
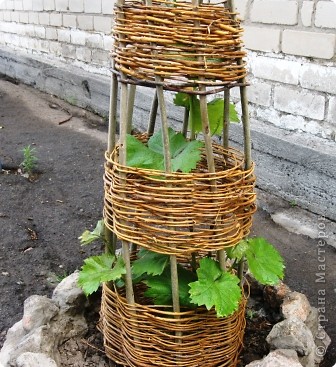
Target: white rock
x=35 y=360
x=13 y=337
x=68 y=295
x=292 y=333
x=297 y=305
x=38 y=311
x=39 y=340
x=278 y=358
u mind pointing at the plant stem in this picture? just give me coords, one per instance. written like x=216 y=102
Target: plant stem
x=130 y=107
x=152 y=116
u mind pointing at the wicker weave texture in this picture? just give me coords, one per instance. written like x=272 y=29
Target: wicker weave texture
x=183 y=45
x=144 y=336
x=181 y=213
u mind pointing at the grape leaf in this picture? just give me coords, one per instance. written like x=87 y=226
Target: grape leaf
x=233 y=113
x=215 y=112
x=182 y=99
x=149 y=262
x=215 y=288
x=186 y=160
x=238 y=251
x=160 y=288
x=264 y=261
x=89 y=236
x=99 y=269
x=139 y=155
x=184 y=154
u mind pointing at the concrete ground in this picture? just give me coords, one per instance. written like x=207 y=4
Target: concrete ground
x=306 y=241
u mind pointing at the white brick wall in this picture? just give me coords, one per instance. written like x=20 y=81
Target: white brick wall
x=325 y=14
x=274 y=12
x=309 y=44
x=71 y=29
x=277 y=70
x=291 y=51
x=332 y=111
x=291 y=100
x=307 y=13
x=320 y=78
x=262 y=39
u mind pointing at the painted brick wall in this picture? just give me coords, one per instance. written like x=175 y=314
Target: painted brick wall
x=292 y=61
x=291 y=43
x=76 y=31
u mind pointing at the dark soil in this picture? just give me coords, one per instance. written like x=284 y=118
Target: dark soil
x=41 y=219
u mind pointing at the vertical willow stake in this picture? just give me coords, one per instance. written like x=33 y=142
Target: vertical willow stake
x=112 y=128
x=130 y=106
x=123 y=161
x=185 y=122
x=226 y=122
x=207 y=134
x=168 y=169
x=110 y=237
x=152 y=115
x=246 y=127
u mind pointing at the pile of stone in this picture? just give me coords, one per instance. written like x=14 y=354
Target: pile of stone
x=299 y=339
x=47 y=324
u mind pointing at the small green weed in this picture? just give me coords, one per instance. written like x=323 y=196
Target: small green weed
x=29 y=159
x=293 y=203
x=251 y=314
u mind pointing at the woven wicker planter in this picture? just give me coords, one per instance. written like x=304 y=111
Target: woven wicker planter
x=179 y=214
x=162 y=40
x=191 y=47
x=141 y=335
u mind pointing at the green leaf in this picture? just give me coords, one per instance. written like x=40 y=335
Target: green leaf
x=184 y=154
x=139 y=155
x=215 y=288
x=99 y=269
x=264 y=262
x=216 y=115
x=160 y=288
x=182 y=100
x=98 y=233
x=215 y=112
x=238 y=251
x=187 y=159
x=149 y=262
x=233 y=113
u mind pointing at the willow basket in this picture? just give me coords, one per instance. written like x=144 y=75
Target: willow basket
x=179 y=213
x=143 y=336
x=183 y=45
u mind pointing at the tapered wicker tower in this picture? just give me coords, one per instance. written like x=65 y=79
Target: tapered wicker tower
x=191 y=47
